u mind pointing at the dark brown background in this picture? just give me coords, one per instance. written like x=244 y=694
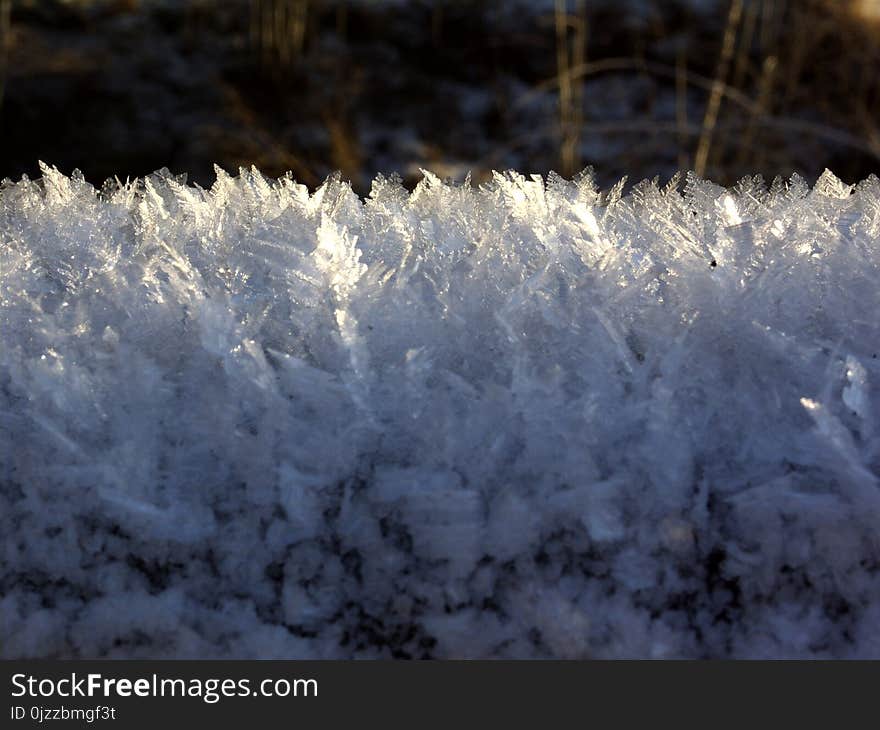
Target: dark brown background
x=123 y=87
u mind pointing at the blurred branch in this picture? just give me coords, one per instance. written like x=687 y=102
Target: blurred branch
x=735 y=96
x=652 y=127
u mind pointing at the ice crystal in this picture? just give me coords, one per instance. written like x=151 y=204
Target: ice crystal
x=529 y=418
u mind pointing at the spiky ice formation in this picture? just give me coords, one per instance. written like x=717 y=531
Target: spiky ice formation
x=525 y=419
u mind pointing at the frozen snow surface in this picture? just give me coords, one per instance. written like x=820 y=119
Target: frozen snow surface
x=528 y=419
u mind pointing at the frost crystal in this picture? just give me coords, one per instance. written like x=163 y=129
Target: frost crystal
x=525 y=419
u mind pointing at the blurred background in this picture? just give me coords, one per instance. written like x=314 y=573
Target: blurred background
x=636 y=87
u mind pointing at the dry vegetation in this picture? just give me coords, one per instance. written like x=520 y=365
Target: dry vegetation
x=770 y=86
x=800 y=72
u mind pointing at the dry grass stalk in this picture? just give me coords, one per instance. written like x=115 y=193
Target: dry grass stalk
x=570 y=54
x=278 y=30
x=714 y=106
x=681 y=111
x=762 y=107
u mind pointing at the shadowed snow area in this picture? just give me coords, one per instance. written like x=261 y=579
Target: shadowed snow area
x=529 y=419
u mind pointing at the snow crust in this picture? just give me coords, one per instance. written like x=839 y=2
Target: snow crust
x=529 y=419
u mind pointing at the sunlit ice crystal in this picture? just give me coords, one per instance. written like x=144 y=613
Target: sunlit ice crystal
x=530 y=418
